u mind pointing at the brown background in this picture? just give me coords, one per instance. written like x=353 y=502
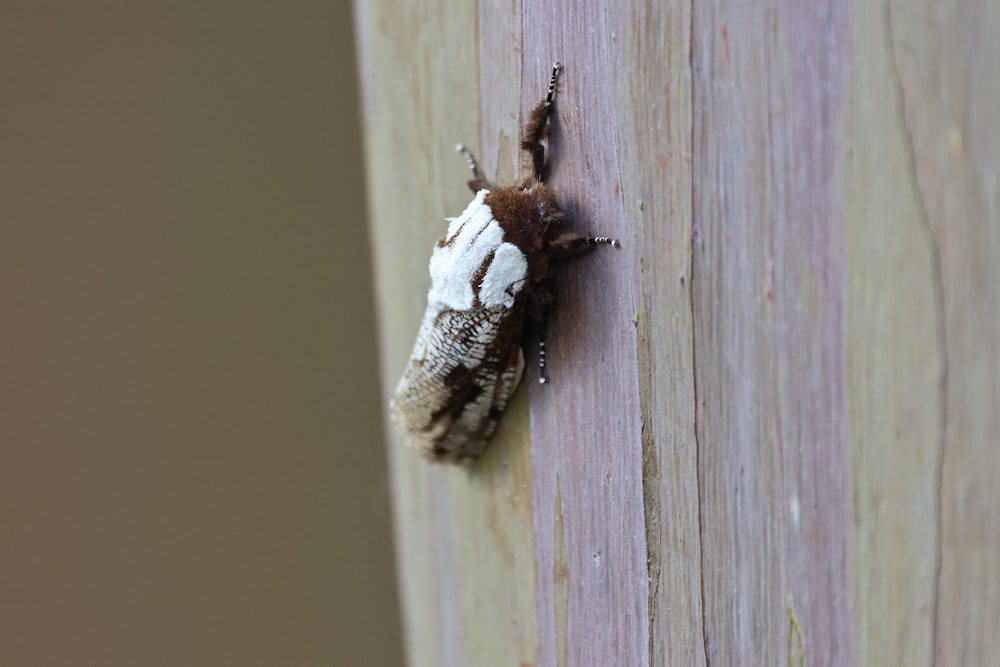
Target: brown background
x=191 y=456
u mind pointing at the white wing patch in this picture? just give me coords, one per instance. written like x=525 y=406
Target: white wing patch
x=474 y=243
x=505 y=276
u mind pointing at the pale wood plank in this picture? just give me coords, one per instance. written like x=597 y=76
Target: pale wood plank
x=946 y=57
x=895 y=368
x=413 y=90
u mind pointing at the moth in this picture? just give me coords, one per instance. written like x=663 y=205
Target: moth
x=490 y=276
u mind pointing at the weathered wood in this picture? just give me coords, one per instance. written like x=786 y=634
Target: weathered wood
x=768 y=301
x=894 y=368
x=771 y=428
x=936 y=112
x=652 y=100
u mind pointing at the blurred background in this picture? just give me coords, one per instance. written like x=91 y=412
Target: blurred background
x=191 y=450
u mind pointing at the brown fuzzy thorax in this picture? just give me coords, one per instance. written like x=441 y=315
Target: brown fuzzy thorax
x=528 y=216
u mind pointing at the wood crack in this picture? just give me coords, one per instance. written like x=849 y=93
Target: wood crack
x=694 y=345
x=924 y=223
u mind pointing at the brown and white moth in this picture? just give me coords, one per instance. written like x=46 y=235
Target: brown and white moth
x=489 y=276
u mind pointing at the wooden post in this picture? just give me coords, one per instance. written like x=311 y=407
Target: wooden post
x=772 y=433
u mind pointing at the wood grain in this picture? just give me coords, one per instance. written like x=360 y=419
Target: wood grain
x=946 y=95
x=896 y=369
x=770 y=435
x=768 y=292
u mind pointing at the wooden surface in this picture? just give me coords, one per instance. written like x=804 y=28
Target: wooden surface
x=771 y=431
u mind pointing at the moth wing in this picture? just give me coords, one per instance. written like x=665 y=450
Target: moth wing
x=464 y=369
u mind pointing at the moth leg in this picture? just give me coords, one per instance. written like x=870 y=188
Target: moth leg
x=543 y=372
x=538 y=317
x=478 y=182
x=537 y=125
x=566 y=246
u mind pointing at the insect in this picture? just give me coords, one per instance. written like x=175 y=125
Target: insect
x=490 y=276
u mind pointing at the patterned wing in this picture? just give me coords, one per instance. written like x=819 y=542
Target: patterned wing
x=464 y=368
